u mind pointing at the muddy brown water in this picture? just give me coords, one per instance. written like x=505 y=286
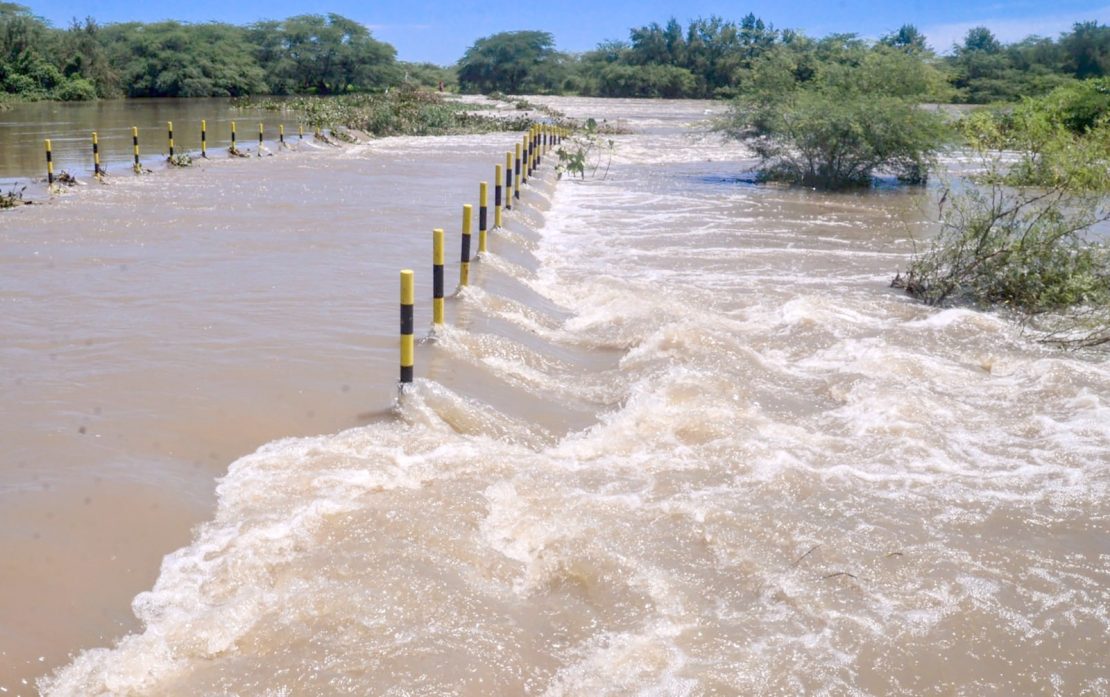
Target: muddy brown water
x=678 y=438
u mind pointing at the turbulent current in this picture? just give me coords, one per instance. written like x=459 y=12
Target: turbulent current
x=678 y=438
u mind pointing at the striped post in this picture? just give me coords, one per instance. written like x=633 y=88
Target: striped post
x=508 y=181
x=524 y=160
x=464 y=266
x=516 y=173
x=437 y=276
x=408 y=342
x=97 y=171
x=169 y=130
x=497 y=196
x=483 y=215
x=300 y=131
x=232 y=136
x=49 y=163
x=281 y=134
x=531 y=150
x=260 y=138
x=203 y=138
x=135 y=148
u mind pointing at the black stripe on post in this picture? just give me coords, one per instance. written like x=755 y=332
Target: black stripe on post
x=497 y=194
x=408 y=326
x=465 y=248
x=482 y=218
x=508 y=187
x=437 y=281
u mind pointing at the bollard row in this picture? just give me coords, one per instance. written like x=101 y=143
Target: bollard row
x=528 y=157
x=98 y=167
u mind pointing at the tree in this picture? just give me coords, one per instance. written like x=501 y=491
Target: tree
x=322 y=55
x=513 y=62
x=857 y=116
x=171 y=59
x=1087 y=49
x=907 y=38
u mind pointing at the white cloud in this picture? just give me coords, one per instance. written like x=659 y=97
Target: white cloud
x=1008 y=29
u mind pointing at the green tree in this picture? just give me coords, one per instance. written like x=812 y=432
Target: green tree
x=171 y=59
x=1087 y=50
x=322 y=55
x=858 y=115
x=1019 y=237
x=907 y=38
x=513 y=62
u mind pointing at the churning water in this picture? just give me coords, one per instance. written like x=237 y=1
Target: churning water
x=679 y=439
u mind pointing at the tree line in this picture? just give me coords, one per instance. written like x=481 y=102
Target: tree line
x=715 y=58
x=306 y=54
x=332 y=54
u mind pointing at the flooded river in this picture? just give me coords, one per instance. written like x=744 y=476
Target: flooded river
x=678 y=438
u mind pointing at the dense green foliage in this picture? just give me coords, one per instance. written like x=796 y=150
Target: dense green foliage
x=851 y=112
x=1019 y=237
x=314 y=54
x=716 y=57
x=514 y=62
x=330 y=54
x=405 y=111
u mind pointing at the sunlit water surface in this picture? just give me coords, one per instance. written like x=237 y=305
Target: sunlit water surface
x=679 y=438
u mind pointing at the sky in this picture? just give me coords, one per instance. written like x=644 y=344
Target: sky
x=439 y=31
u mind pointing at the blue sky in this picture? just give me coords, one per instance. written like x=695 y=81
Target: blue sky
x=439 y=31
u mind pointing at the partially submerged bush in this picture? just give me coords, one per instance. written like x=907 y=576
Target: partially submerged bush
x=405 y=111
x=1027 y=249
x=836 y=130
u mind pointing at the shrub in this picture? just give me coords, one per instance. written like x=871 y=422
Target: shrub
x=1026 y=249
x=836 y=130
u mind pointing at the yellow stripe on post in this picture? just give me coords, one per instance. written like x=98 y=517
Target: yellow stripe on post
x=464 y=262
x=408 y=342
x=203 y=138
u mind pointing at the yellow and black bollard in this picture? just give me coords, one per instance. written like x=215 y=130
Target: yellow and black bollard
x=524 y=161
x=97 y=171
x=281 y=134
x=464 y=266
x=300 y=131
x=497 y=196
x=203 y=138
x=169 y=131
x=260 y=139
x=483 y=215
x=508 y=181
x=49 y=163
x=408 y=342
x=233 y=148
x=516 y=173
x=135 y=149
x=437 y=276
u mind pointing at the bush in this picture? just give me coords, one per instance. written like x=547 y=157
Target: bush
x=1026 y=249
x=858 y=116
x=76 y=89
